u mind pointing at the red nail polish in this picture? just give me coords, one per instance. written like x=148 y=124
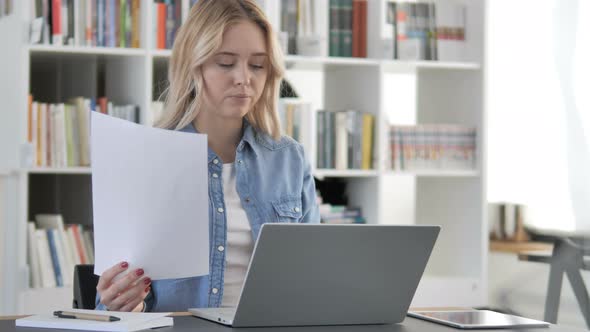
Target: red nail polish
x=139 y=272
x=147 y=281
x=124 y=265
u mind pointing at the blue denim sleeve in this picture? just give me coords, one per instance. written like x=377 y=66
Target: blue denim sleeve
x=149 y=302
x=311 y=211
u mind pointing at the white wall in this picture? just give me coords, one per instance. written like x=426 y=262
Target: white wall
x=538 y=148
x=539 y=133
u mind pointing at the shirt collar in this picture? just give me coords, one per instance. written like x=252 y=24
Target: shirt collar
x=248 y=136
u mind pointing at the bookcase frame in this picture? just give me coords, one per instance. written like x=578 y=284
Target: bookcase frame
x=444 y=92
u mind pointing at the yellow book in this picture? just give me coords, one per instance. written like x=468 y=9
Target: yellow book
x=367 y=145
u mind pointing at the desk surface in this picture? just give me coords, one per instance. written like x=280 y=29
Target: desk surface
x=193 y=324
x=519 y=247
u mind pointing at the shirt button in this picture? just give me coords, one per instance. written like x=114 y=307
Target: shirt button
x=214 y=290
x=296 y=209
x=221 y=248
x=215 y=175
x=220 y=210
x=240 y=161
x=247 y=199
x=215 y=161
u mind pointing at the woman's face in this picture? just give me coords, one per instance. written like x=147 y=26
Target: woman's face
x=235 y=76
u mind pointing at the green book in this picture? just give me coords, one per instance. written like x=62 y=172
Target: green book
x=334 y=42
x=346 y=28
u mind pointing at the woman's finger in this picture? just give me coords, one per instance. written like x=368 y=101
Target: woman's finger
x=107 y=276
x=131 y=305
x=131 y=294
x=120 y=286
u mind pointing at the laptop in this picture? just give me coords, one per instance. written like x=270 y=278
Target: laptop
x=302 y=274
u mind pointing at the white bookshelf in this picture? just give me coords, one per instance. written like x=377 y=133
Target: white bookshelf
x=63 y=170
x=395 y=92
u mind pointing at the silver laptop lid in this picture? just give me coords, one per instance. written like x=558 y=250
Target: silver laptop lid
x=333 y=274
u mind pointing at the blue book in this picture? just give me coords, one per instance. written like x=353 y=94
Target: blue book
x=100 y=20
x=111 y=17
x=53 y=249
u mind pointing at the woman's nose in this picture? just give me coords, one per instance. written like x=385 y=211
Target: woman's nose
x=242 y=75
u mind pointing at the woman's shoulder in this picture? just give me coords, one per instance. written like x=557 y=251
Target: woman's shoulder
x=285 y=144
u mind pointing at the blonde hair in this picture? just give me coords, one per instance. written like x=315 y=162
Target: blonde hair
x=196 y=42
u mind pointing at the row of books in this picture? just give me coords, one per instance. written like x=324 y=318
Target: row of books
x=345 y=139
x=425 y=30
x=168 y=16
x=59 y=133
x=348 y=28
x=107 y=23
x=295 y=116
x=54 y=249
x=340 y=214
x=6 y=7
x=436 y=146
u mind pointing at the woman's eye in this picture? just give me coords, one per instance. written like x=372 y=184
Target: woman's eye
x=257 y=67
x=226 y=65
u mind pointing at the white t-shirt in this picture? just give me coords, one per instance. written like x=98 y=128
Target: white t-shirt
x=239 y=245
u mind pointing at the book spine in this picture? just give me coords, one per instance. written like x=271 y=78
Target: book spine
x=161 y=25
x=346 y=28
x=46 y=265
x=135 y=30
x=334 y=44
x=320 y=140
x=356 y=26
x=100 y=21
x=33 y=256
x=363 y=29
x=341 y=146
x=128 y=24
x=56 y=25
x=79 y=243
x=54 y=257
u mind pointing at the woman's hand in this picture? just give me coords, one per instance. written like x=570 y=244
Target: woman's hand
x=126 y=293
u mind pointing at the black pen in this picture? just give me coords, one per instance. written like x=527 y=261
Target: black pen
x=79 y=315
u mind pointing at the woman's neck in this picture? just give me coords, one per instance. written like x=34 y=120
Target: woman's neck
x=223 y=135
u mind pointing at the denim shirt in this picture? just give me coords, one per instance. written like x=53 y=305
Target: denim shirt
x=275 y=185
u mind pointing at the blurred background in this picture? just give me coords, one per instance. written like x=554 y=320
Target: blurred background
x=469 y=114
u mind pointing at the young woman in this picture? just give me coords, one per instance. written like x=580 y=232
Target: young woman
x=224 y=75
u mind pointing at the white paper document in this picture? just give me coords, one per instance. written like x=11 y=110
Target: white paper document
x=130 y=321
x=150 y=199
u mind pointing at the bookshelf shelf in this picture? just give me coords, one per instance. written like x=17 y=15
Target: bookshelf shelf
x=398 y=65
x=304 y=62
x=76 y=50
x=317 y=63
x=161 y=53
x=67 y=170
x=350 y=173
x=436 y=173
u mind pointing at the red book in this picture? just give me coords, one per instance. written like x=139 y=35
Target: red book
x=103 y=103
x=79 y=245
x=356 y=25
x=363 y=29
x=56 y=33
x=161 y=28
